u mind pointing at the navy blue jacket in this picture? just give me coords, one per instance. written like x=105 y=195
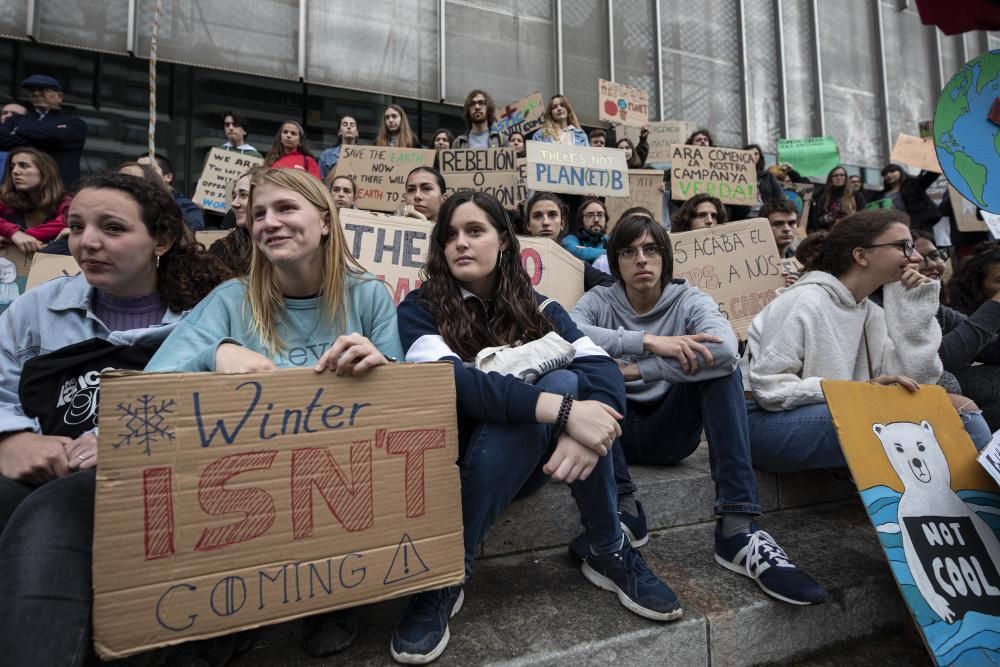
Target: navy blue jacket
x=193 y=217
x=60 y=133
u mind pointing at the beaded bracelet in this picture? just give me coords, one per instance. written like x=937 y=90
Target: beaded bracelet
x=564 y=410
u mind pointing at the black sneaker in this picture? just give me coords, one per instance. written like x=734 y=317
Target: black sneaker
x=331 y=633
x=639 y=590
x=758 y=556
x=421 y=635
x=634 y=527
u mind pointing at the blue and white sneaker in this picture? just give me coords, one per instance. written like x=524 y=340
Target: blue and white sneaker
x=422 y=635
x=758 y=556
x=633 y=525
x=639 y=590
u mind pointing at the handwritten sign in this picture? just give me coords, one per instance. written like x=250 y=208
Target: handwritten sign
x=736 y=263
x=813 y=156
x=45 y=267
x=644 y=190
x=915 y=152
x=492 y=170
x=726 y=173
x=380 y=173
x=618 y=103
x=14 y=267
x=395 y=249
x=577 y=170
x=524 y=116
x=222 y=168
x=227 y=502
x=989 y=458
x=662 y=135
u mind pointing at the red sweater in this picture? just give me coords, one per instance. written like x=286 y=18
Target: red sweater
x=45 y=232
x=298 y=160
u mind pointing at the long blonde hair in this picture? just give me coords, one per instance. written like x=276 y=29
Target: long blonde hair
x=549 y=128
x=264 y=297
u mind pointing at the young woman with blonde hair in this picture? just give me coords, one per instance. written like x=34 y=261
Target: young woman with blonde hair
x=561 y=124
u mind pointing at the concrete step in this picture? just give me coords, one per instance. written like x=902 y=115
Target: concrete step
x=894 y=649
x=671 y=495
x=536 y=608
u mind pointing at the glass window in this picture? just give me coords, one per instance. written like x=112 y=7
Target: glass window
x=911 y=67
x=586 y=57
x=764 y=92
x=635 y=48
x=800 y=69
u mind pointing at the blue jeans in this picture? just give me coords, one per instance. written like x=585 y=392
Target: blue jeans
x=804 y=438
x=45 y=571
x=501 y=462
x=667 y=432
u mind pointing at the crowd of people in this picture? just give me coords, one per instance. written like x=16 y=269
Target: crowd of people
x=639 y=369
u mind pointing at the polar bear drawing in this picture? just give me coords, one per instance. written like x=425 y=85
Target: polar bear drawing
x=916 y=456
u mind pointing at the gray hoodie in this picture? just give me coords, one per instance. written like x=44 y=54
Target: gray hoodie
x=607 y=318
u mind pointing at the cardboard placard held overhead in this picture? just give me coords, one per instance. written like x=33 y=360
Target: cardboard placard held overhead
x=736 y=263
x=14 y=268
x=933 y=508
x=577 y=170
x=524 y=116
x=380 y=173
x=492 y=170
x=964 y=213
x=622 y=104
x=395 y=249
x=226 y=502
x=662 y=135
x=727 y=173
x=522 y=182
x=915 y=152
x=644 y=190
x=222 y=168
x=45 y=267
x=812 y=157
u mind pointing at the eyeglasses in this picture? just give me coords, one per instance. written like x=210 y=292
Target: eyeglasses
x=598 y=215
x=940 y=255
x=906 y=247
x=477 y=103
x=631 y=253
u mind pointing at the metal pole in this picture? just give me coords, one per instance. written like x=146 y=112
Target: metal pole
x=303 y=15
x=559 y=53
x=884 y=80
x=31 y=24
x=611 y=38
x=940 y=58
x=783 y=74
x=744 y=71
x=659 y=56
x=820 y=113
x=442 y=58
x=130 y=29
x=152 y=78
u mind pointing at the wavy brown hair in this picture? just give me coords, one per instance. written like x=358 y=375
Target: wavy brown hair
x=682 y=221
x=843 y=194
x=186 y=273
x=512 y=309
x=549 y=127
x=46 y=197
x=278 y=149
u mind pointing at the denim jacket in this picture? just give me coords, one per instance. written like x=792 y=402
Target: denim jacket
x=48 y=318
x=579 y=136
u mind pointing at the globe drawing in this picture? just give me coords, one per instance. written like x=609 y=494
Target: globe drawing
x=966 y=139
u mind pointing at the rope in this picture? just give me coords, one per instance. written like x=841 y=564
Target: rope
x=152 y=78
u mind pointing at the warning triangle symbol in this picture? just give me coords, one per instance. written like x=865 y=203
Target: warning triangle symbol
x=406 y=562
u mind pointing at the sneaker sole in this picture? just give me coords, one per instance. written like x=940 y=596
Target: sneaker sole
x=435 y=653
x=631 y=538
x=603 y=582
x=732 y=567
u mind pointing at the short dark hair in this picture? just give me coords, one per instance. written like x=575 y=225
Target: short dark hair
x=628 y=230
x=682 y=221
x=345 y=177
x=777 y=206
x=238 y=118
x=166 y=166
x=597 y=132
x=438 y=178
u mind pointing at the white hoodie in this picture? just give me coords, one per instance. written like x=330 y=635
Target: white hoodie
x=814 y=331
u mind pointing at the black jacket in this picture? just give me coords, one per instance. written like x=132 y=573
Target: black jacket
x=923 y=212
x=61 y=134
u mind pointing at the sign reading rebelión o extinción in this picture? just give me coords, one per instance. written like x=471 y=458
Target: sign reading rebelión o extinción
x=577 y=170
x=727 y=173
x=491 y=170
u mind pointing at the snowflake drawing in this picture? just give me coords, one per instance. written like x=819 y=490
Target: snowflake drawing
x=144 y=423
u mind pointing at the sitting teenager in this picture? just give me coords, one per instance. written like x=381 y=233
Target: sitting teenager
x=514 y=434
x=545 y=215
x=32 y=202
x=701 y=211
x=235 y=250
x=977 y=279
x=343 y=190
x=140 y=273
x=635 y=156
x=589 y=241
x=825 y=327
x=679 y=357
x=601 y=263
x=837 y=200
x=424 y=195
x=290 y=150
x=395 y=130
x=769 y=189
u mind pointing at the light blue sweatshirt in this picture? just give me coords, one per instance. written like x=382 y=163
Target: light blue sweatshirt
x=224 y=317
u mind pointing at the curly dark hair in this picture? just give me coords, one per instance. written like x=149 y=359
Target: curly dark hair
x=965 y=289
x=235 y=250
x=832 y=250
x=186 y=272
x=700 y=130
x=682 y=221
x=512 y=308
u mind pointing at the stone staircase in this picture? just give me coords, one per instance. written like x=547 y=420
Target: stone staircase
x=528 y=604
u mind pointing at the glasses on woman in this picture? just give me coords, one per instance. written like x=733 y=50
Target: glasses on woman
x=905 y=247
x=631 y=253
x=938 y=256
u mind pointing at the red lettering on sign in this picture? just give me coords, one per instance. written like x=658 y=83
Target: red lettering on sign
x=158 y=504
x=352 y=505
x=535 y=272
x=256 y=504
x=412 y=445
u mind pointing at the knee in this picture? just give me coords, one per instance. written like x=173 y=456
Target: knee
x=560 y=381
x=60 y=511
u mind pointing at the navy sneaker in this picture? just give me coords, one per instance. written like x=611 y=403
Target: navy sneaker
x=634 y=527
x=758 y=556
x=639 y=590
x=422 y=634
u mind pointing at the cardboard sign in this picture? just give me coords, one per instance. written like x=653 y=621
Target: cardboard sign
x=915 y=152
x=644 y=190
x=736 y=263
x=577 y=170
x=727 y=173
x=622 y=104
x=964 y=213
x=45 y=267
x=934 y=509
x=926 y=128
x=662 y=136
x=227 y=502
x=380 y=173
x=524 y=116
x=812 y=157
x=222 y=168
x=14 y=268
x=395 y=249
x=492 y=170
x=992 y=222
x=522 y=182
x=989 y=458
x=207 y=237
